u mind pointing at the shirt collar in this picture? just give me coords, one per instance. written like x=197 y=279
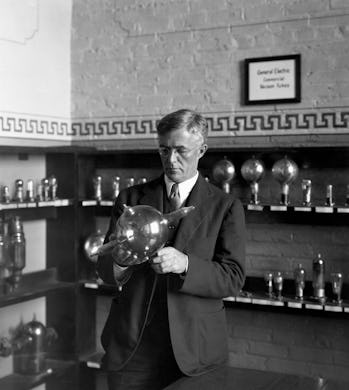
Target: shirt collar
x=184 y=187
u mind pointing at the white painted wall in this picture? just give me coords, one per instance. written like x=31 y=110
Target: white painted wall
x=35 y=57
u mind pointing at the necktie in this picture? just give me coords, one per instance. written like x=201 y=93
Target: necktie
x=174 y=197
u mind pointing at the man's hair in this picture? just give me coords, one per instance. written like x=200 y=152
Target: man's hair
x=192 y=121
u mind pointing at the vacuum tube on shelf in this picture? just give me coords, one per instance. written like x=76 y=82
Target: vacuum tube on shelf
x=115 y=183
x=3 y=255
x=16 y=259
x=329 y=195
x=319 y=278
x=252 y=171
x=19 y=192
x=306 y=192
x=39 y=192
x=278 y=283
x=45 y=189
x=130 y=181
x=285 y=172
x=29 y=196
x=97 y=187
x=29 y=345
x=223 y=172
x=337 y=282
x=268 y=278
x=53 y=186
x=5 y=194
x=299 y=279
x=142 y=180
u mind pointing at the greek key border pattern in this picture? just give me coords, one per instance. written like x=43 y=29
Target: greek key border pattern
x=234 y=124
x=14 y=126
x=240 y=124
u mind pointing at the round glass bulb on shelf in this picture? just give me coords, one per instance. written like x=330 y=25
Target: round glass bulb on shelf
x=252 y=170
x=223 y=172
x=285 y=171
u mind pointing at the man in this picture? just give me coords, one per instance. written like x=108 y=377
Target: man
x=169 y=319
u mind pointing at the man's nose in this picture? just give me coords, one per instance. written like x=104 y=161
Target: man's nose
x=172 y=156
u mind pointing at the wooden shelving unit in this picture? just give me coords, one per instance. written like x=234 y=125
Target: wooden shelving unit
x=34 y=285
x=71 y=292
x=55 y=369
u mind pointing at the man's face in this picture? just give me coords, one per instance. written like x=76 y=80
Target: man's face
x=180 y=152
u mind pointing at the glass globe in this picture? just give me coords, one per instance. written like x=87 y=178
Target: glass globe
x=139 y=232
x=223 y=172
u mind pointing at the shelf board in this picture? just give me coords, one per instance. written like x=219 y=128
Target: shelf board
x=247 y=298
x=318 y=209
x=260 y=299
x=34 y=285
x=94 y=202
x=99 y=287
x=93 y=360
x=24 y=382
x=30 y=205
x=34 y=210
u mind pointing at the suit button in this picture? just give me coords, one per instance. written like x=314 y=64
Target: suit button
x=171 y=227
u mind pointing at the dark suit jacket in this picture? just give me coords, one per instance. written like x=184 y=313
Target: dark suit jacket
x=213 y=237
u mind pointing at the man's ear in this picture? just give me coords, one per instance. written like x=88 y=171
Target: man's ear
x=203 y=149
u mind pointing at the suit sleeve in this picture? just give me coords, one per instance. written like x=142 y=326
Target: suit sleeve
x=224 y=274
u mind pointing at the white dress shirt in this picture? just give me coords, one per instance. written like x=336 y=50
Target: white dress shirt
x=184 y=187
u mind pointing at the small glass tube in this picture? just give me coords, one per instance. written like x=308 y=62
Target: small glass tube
x=268 y=277
x=142 y=180
x=39 y=192
x=19 y=193
x=53 y=187
x=329 y=195
x=30 y=191
x=5 y=196
x=97 y=186
x=337 y=282
x=319 y=278
x=299 y=279
x=17 y=253
x=130 y=181
x=278 y=283
x=306 y=191
x=45 y=188
x=115 y=183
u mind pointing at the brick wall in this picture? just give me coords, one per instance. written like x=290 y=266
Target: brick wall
x=304 y=344
x=144 y=57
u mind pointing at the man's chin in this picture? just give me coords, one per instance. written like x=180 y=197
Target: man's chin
x=173 y=174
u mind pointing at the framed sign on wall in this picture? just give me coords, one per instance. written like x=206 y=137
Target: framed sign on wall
x=273 y=80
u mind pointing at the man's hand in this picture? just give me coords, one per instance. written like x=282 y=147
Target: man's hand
x=168 y=260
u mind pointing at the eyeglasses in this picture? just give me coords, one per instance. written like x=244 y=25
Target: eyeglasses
x=180 y=150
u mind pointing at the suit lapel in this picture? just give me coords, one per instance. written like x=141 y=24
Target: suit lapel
x=200 y=199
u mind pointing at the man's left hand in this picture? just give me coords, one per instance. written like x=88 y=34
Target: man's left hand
x=168 y=260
